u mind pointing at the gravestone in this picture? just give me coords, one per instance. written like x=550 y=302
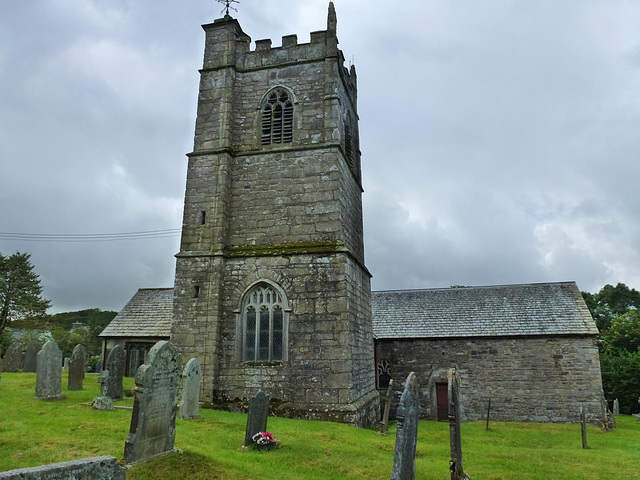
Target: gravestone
x=616 y=407
x=583 y=427
x=408 y=414
x=190 y=402
x=31 y=357
x=13 y=358
x=384 y=424
x=94 y=468
x=606 y=415
x=77 y=368
x=256 y=416
x=49 y=373
x=488 y=414
x=455 y=438
x=103 y=402
x=153 y=421
x=112 y=383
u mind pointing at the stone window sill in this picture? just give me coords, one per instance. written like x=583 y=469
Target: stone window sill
x=262 y=364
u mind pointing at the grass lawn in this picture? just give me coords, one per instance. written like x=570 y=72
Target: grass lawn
x=33 y=432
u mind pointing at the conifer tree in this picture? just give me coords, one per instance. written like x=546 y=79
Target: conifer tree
x=20 y=290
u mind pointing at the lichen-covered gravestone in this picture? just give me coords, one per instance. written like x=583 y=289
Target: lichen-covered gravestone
x=31 y=357
x=256 y=416
x=455 y=438
x=112 y=383
x=49 y=373
x=77 y=367
x=190 y=402
x=153 y=421
x=408 y=415
x=13 y=358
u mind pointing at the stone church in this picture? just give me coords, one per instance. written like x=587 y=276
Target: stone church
x=271 y=288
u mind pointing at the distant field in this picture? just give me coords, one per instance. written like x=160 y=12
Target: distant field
x=34 y=432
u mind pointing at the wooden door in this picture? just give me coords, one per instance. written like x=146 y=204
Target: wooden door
x=442 y=397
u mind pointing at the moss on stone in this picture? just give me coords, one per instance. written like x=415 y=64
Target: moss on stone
x=294 y=248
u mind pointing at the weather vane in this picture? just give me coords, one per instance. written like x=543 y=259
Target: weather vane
x=227 y=6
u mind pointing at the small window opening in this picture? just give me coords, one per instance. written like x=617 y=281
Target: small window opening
x=203 y=217
x=196 y=291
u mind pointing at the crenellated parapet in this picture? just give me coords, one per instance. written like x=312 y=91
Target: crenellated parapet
x=227 y=46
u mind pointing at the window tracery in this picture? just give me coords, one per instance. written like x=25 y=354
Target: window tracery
x=277 y=118
x=263 y=331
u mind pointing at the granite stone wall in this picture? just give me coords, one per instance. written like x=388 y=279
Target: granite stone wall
x=287 y=214
x=532 y=379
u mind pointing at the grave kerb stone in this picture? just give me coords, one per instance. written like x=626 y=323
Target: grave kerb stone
x=94 y=468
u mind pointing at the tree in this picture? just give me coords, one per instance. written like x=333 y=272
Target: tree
x=624 y=333
x=610 y=302
x=621 y=379
x=20 y=290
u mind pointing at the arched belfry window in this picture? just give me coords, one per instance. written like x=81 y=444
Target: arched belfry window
x=277 y=118
x=263 y=319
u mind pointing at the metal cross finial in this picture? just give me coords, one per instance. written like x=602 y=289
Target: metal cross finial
x=227 y=6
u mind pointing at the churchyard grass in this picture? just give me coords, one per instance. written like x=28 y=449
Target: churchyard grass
x=35 y=432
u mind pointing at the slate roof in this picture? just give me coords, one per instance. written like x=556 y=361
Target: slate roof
x=148 y=314
x=505 y=310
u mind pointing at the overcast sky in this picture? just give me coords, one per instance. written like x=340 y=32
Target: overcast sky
x=500 y=139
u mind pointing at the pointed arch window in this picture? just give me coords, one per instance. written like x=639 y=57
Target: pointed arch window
x=263 y=319
x=277 y=118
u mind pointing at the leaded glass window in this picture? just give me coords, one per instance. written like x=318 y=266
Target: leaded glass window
x=263 y=325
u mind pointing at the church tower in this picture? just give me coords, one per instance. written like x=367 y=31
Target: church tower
x=271 y=290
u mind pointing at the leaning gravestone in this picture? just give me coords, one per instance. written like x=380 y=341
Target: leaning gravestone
x=190 y=404
x=256 y=417
x=455 y=438
x=153 y=422
x=31 y=357
x=49 y=373
x=94 y=468
x=13 y=358
x=76 y=368
x=384 y=424
x=112 y=384
x=408 y=414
